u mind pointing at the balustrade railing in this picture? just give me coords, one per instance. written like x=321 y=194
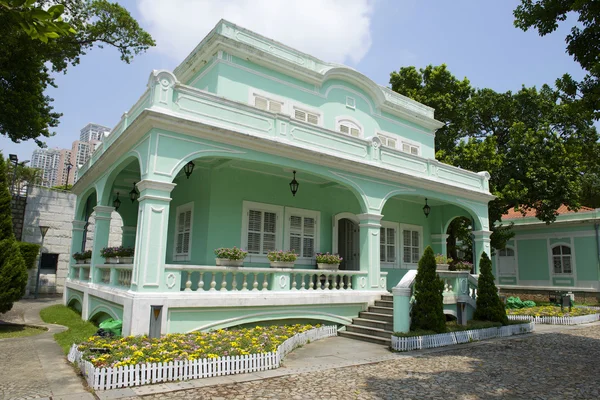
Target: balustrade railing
x=106 y=274
x=228 y=279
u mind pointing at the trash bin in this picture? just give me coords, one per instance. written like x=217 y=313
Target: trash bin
x=112 y=326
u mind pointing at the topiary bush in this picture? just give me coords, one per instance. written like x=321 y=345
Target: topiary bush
x=30 y=252
x=489 y=305
x=428 y=309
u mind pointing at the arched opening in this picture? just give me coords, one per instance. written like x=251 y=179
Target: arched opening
x=346 y=241
x=100 y=317
x=75 y=304
x=459 y=242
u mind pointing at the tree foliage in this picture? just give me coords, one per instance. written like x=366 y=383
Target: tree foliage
x=26 y=64
x=535 y=145
x=13 y=272
x=36 y=22
x=583 y=44
x=428 y=309
x=489 y=305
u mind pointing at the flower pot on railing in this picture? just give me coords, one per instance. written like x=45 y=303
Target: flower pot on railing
x=328 y=266
x=83 y=257
x=225 y=262
x=442 y=262
x=282 y=259
x=442 y=267
x=84 y=261
x=230 y=257
x=117 y=255
x=119 y=260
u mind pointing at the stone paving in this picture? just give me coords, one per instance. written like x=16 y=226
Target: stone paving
x=555 y=365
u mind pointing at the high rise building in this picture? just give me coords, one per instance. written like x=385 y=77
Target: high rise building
x=48 y=160
x=64 y=174
x=93 y=132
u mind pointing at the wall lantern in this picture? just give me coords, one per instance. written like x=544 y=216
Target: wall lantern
x=188 y=169
x=117 y=202
x=426 y=209
x=134 y=194
x=294 y=185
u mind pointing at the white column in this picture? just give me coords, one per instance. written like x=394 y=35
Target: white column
x=481 y=243
x=369 y=251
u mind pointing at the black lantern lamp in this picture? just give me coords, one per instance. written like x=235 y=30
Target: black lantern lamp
x=117 y=202
x=134 y=194
x=294 y=185
x=188 y=169
x=426 y=209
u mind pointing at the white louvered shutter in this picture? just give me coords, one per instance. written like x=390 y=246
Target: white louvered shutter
x=269 y=235
x=275 y=106
x=308 y=242
x=261 y=102
x=254 y=231
x=382 y=243
x=180 y=233
x=296 y=234
x=344 y=129
x=300 y=115
x=312 y=119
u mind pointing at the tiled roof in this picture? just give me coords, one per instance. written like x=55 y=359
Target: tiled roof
x=512 y=214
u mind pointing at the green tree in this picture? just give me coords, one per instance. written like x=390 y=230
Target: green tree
x=35 y=21
x=489 y=305
x=428 y=309
x=13 y=271
x=26 y=64
x=583 y=44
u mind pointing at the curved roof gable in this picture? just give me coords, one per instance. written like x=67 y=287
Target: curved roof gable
x=277 y=56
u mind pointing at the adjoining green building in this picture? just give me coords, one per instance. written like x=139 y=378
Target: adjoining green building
x=544 y=258
x=204 y=160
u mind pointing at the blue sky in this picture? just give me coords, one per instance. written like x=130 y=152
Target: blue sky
x=474 y=38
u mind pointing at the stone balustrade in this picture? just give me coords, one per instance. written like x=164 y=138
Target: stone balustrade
x=230 y=279
x=118 y=275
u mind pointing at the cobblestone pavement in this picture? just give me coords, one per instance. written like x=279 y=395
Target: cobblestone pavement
x=542 y=366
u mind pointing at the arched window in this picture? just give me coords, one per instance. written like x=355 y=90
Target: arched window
x=561 y=259
x=349 y=127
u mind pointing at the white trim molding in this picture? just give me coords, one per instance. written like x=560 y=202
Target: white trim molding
x=147 y=184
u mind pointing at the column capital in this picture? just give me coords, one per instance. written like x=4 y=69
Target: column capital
x=103 y=212
x=481 y=235
x=79 y=225
x=148 y=184
x=440 y=236
x=369 y=220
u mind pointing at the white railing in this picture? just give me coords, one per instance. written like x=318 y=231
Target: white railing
x=448 y=339
x=124 y=277
x=581 y=319
x=115 y=274
x=143 y=374
x=225 y=279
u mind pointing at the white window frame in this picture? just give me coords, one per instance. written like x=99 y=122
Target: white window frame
x=571 y=256
x=513 y=248
x=351 y=102
x=384 y=137
x=408 y=227
x=391 y=225
x=183 y=208
x=316 y=215
x=345 y=119
x=253 y=93
x=307 y=110
x=412 y=144
x=278 y=211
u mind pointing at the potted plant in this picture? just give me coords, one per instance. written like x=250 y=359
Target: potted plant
x=83 y=258
x=232 y=257
x=442 y=262
x=328 y=261
x=282 y=259
x=463 y=266
x=118 y=255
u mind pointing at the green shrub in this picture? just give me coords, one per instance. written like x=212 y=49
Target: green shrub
x=489 y=305
x=428 y=309
x=30 y=252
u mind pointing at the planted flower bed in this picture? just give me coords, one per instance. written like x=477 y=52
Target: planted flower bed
x=554 y=315
x=110 y=363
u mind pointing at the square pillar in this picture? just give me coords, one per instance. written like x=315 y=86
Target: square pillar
x=101 y=233
x=369 y=251
x=76 y=242
x=151 y=236
x=481 y=243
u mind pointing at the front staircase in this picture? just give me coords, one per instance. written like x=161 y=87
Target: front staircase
x=374 y=325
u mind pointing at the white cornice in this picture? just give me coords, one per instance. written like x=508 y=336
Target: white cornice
x=163 y=119
x=147 y=184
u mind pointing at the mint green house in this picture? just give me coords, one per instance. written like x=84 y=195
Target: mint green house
x=207 y=155
x=563 y=256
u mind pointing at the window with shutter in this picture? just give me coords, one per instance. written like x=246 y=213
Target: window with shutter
x=561 y=259
x=411 y=244
x=306 y=116
x=411 y=148
x=183 y=232
x=265 y=103
x=387 y=242
x=349 y=128
x=261 y=229
x=302 y=232
x=388 y=141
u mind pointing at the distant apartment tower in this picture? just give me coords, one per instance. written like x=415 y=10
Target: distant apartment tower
x=93 y=133
x=48 y=160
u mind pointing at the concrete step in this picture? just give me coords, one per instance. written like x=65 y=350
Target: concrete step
x=373 y=323
x=366 y=338
x=384 y=303
x=366 y=330
x=381 y=310
x=387 y=297
x=376 y=316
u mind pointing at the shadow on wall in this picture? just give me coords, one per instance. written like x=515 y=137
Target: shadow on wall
x=534 y=366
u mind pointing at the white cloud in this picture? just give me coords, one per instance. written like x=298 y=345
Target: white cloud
x=332 y=30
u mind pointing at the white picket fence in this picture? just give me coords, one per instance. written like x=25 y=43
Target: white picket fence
x=143 y=374
x=448 y=339
x=582 y=319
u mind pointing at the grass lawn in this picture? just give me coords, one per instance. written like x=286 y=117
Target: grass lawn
x=79 y=330
x=13 y=331
x=452 y=326
x=551 y=311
